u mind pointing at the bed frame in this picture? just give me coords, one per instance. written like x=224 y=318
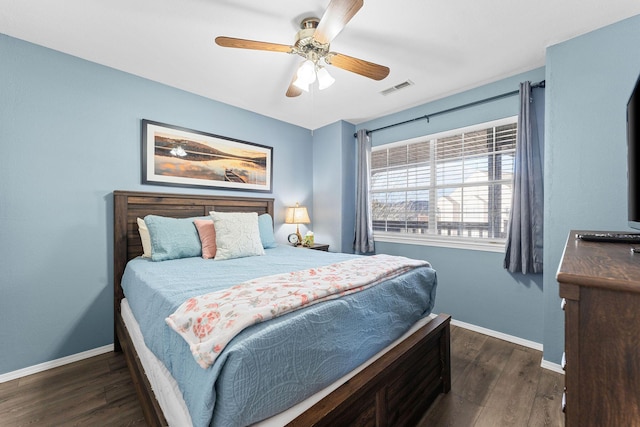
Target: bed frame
x=395 y=390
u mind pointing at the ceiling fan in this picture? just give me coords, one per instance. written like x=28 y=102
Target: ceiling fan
x=313 y=44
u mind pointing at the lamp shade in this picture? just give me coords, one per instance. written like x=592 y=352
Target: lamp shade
x=305 y=75
x=297 y=215
x=324 y=78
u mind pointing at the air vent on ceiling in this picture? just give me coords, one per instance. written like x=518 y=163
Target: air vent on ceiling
x=397 y=87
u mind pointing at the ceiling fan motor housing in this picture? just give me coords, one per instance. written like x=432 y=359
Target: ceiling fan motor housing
x=305 y=45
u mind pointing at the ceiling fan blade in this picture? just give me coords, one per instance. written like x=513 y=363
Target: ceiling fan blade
x=335 y=18
x=294 y=91
x=358 y=66
x=252 y=44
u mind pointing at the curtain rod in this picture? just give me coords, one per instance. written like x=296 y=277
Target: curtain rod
x=540 y=84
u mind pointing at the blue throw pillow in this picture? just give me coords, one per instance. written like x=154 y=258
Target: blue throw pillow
x=265 y=224
x=173 y=238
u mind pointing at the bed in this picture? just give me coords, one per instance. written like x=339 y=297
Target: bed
x=394 y=387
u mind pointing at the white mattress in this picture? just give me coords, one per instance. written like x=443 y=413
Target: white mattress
x=170 y=398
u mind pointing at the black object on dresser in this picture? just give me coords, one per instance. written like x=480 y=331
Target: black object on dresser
x=600 y=287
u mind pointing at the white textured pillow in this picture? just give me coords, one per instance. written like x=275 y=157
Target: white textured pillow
x=145 y=238
x=237 y=234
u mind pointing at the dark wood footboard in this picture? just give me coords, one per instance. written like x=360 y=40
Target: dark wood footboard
x=396 y=390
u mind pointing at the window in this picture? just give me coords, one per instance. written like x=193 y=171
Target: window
x=451 y=188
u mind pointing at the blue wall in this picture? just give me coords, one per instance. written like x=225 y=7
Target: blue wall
x=327 y=183
x=334 y=186
x=70 y=135
x=589 y=80
x=472 y=285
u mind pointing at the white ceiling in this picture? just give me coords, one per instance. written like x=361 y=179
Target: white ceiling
x=444 y=46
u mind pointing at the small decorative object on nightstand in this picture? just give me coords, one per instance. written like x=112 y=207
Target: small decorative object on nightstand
x=308 y=239
x=293 y=239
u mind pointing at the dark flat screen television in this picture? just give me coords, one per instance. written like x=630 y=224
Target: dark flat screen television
x=633 y=156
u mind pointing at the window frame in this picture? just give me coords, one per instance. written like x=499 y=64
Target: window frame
x=455 y=242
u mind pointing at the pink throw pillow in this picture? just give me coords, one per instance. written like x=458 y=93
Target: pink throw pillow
x=207 y=233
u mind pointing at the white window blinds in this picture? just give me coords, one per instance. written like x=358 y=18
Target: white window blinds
x=455 y=184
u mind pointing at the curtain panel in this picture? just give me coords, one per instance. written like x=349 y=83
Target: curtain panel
x=363 y=240
x=524 y=246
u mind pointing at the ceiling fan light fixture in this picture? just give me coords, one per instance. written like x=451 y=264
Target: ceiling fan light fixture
x=301 y=84
x=307 y=72
x=324 y=78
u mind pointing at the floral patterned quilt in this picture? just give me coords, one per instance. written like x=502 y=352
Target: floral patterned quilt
x=209 y=322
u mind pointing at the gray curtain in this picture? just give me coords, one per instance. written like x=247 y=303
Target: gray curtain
x=523 y=252
x=363 y=242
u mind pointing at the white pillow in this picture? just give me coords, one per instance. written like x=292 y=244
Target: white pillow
x=237 y=234
x=145 y=238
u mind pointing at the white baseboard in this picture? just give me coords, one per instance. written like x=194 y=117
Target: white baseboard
x=510 y=338
x=505 y=337
x=55 y=363
x=552 y=366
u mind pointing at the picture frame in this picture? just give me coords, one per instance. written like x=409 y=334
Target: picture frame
x=182 y=157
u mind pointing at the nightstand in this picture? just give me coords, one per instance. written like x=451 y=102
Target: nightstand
x=317 y=247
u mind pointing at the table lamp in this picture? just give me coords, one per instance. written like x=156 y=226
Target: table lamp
x=297 y=215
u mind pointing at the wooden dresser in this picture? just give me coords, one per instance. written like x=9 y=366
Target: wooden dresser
x=600 y=287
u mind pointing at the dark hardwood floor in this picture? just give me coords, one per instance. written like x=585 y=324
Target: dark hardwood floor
x=494 y=383
x=93 y=392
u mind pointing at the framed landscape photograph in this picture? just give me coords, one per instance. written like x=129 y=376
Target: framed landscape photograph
x=177 y=156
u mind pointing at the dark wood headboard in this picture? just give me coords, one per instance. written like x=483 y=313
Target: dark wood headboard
x=130 y=205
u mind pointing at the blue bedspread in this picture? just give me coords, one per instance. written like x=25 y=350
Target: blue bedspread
x=270 y=366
